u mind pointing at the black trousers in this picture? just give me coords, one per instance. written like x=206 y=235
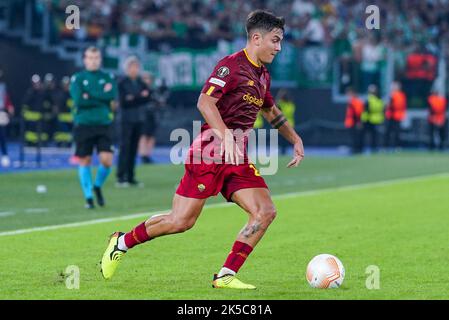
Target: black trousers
x=3 y=149
x=357 y=139
x=128 y=141
x=392 y=134
x=441 y=131
x=373 y=131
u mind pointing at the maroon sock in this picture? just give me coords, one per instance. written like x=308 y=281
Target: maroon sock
x=240 y=251
x=136 y=236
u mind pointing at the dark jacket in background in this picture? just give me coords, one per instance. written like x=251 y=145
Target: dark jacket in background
x=132 y=110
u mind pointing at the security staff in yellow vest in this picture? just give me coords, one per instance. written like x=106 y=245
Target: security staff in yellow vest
x=49 y=111
x=288 y=108
x=373 y=116
x=64 y=103
x=32 y=113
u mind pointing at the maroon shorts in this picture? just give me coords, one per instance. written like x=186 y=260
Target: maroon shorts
x=202 y=181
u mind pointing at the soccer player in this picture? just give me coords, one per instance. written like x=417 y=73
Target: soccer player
x=93 y=92
x=237 y=90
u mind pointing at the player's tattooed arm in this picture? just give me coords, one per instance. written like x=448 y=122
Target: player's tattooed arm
x=278 y=121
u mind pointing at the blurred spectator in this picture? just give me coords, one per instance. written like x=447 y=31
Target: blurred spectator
x=160 y=95
x=372 y=55
x=421 y=71
x=32 y=109
x=147 y=139
x=373 y=116
x=49 y=111
x=395 y=114
x=353 y=120
x=64 y=108
x=314 y=31
x=134 y=94
x=437 y=119
x=6 y=112
x=302 y=7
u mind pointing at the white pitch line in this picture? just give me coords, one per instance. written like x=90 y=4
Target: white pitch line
x=36 y=210
x=226 y=204
x=7 y=213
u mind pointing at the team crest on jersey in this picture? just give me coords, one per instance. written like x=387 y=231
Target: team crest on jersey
x=85 y=82
x=201 y=187
x=222 y=72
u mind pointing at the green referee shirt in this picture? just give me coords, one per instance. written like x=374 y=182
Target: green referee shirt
x=96 y=108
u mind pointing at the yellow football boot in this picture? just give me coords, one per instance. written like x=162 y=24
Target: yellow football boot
x=230 y=282
x=112 y=256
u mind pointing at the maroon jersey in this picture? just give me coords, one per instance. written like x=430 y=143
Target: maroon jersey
x=242 y=89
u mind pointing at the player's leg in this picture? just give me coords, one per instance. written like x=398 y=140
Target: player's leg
x=182 y=217
x=104 y=147
x=83 y=150
x=85 y=177
x=261 y=211
x=104 y=169
x=260 y=208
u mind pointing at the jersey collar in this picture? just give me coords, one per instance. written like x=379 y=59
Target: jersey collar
x=249 y=59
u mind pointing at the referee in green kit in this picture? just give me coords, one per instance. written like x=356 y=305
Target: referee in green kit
x=93 y=92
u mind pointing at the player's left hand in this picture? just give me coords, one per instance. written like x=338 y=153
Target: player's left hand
x=298 y=155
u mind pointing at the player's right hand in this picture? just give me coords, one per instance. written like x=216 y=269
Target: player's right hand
x=232 y=152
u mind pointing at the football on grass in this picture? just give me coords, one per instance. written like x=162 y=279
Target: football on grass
x=325 y=271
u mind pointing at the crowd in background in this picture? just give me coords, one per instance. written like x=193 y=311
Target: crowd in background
x=319 y=21
x=403 y=22
x=406 y=26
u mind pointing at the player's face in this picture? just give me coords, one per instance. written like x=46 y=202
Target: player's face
x=270 y=45
x=92 y=60
x=133 y=70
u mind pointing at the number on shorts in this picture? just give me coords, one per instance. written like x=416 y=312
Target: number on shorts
x=256 y=172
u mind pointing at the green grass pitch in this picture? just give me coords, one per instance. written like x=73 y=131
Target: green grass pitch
x=386 y=219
